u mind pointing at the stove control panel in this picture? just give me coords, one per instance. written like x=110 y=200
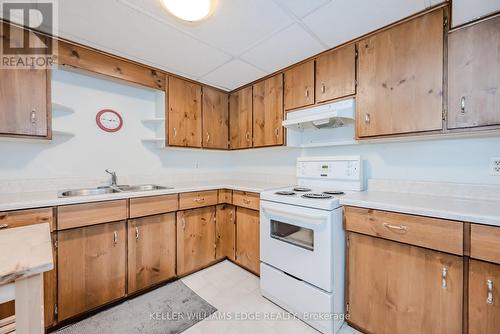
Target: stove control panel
x=343 y=169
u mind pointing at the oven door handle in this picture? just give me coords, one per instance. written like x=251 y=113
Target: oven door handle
x=295 y=215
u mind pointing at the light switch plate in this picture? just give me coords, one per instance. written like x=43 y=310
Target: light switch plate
x=495 y=167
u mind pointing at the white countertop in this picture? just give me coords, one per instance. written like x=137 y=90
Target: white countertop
x=461 y=209
x=25 y=200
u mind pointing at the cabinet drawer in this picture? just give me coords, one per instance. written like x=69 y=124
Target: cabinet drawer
x=13 y=219
x=246 y=199
x=197 y=199
x=147 y=206
x=485 y=243
x=77 y=215
x=433 y=233
x=225 y=196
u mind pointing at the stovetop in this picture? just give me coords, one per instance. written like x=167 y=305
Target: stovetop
x=312 y=197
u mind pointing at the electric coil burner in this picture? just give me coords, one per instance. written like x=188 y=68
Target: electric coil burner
x=302 y=189
x=334 y=192
x=285 y=193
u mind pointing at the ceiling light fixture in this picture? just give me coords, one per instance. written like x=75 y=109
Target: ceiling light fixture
x=190 y=10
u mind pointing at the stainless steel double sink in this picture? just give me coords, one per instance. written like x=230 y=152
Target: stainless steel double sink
x=110 y=190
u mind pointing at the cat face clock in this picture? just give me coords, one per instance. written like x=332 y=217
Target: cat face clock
x=109 y=120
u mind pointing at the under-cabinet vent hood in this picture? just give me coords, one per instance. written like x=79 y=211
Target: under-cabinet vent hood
x=331 y=115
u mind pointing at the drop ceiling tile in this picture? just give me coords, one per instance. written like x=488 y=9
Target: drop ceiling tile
x=343 y=20
x=233 y=74
x=134 y=35
x=287 y=47
x=300 y=7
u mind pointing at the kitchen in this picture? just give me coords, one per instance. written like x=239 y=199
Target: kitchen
x=279 y=166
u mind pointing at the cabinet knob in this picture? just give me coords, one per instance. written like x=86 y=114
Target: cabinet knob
x=33 y=116
x=444 y=278
x=367 y=118
x=489 y=287
x=462 y=105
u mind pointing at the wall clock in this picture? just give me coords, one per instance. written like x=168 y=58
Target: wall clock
x=109 y=120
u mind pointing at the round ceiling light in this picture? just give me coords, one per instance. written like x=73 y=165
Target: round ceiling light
x=190 y=10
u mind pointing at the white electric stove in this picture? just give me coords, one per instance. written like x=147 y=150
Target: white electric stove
x=302 y=241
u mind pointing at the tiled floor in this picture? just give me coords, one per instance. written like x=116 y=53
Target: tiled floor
x=235 y=293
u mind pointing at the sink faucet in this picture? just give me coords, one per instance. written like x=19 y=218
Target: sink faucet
x=113 y=178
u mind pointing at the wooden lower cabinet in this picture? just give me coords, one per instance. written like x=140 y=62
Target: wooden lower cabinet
x=225 y=232
x=151 y=250
x=397 y=288
x=195 y=239
x=91 y=267
x=484 y=297
x=247 y=239
x=50 y=289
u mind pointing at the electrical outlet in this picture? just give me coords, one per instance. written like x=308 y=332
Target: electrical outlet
x=495 y=166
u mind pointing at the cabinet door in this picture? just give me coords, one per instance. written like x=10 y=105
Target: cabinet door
x=247 y=239
x=240 y=115
x=195 y=239
x=184 y=113
x=50 y=289
x=91 y=267
x=336 y=74
x=484 y=297
x=400 y=78
x=299 y=86
x=24 y=95
x=151 y=250
x=268 y=112
x=398 y=288
x=474 y=75
x=225 y=232
x=215 y=119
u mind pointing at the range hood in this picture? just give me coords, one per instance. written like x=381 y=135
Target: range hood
x=331 y=115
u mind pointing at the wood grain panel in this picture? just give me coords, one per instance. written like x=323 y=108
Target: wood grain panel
x=197 y=199
x=91 y=267
x=240 y=116
x=299 y=86
x=397 y=288
x=151 y=250
x=195 y=239
x=13 y=219
x=77 y=215
x=473 y=75
x=184 y=113
x=248 y=239
x=246 y=199
x=225 y=232
x=400 y=78
x=268 y=112
x=433 y=233
x=50 y=289
x=215 y=119
x=336 y=74
x=485 y=242
x=98 y=62
x=483 y=315
x=225 y=196
x=146 y=206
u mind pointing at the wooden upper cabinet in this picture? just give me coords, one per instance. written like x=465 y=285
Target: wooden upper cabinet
x=484 y=297
x=24 y=94
x=336 y=74
x=184 y=113
x=299 y=86
x=398 y=288
x=474 y=75
x=151 y=250
x=268 y=112
x=215 y=119
x=400 y=78
x=91 y=266
x=240 y=115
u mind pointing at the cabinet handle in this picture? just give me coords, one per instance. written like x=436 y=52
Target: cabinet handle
x=444 y=278
x=462 y=105
x=231 y=216
x=199 y=200
x=395 y=227
x=136 y=233
x=277 y=132
x=247 y=136
x=246 y=201
x=115 y=237
x=307 y=93
x=489 y=287
x=33 y=116
x=2 y=226
x=175 y=132
x=183 y=223
x=367 y=118
x=208 y=137
x=323 y=88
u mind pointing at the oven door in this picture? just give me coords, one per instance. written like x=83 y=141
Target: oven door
x=298 y=241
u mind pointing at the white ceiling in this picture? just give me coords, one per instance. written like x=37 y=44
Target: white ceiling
x=242 y=41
